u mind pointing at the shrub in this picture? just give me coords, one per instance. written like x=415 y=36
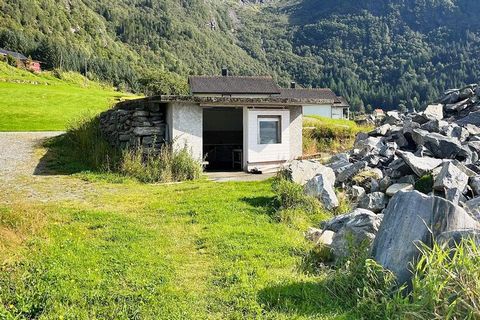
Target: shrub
x=289 y=195
x=424 y=184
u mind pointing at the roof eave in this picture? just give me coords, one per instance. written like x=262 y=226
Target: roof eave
x=230 y=101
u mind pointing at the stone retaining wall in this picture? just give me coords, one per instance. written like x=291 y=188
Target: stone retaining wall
x=135 y=123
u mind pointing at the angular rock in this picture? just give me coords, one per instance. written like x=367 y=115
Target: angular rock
x=472 y=118
x=352 y=230
x=388 y=150
x=470 y=173
x=451 y=239
x=318 y=236
x=381 y=131
x=384 y=183
x=356 y=192
x=339 y=221
x=419 y=165
x=434 y=111
x=301 y=171
x=356 y=234
x=454 y=195
x=148 y=131
x=322 y=187
x=474 y=183
x=473 y=207
x=472 y=129
x=410 y=179
x=392 y=118
x=450 y=177
x=347 y=172
x=441 y=146
x=410 y=218
x=375 y=202
x=460 y=133
x=394 y=188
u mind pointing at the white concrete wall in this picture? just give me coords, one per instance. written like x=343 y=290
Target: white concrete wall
x=318 y=110
x=265 y=155
x=184 y=122
x=296 y=131
x=337 y=113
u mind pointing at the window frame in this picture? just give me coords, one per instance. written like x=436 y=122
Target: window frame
x=269 y=118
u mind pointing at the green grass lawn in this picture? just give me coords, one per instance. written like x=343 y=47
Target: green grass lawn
x=30 y=102
x=195 y=250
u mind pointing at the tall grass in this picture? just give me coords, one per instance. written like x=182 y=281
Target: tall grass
x=445 y=285
x=84 y=148
x=168 y=165
x=86 y=144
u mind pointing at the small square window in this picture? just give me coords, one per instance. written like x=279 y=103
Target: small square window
x=269 y=130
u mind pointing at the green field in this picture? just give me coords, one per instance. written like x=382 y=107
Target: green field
x=30 y=102
x=196 y=250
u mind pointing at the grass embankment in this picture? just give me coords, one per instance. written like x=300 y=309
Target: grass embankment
x=325 y=135
x=49 y=100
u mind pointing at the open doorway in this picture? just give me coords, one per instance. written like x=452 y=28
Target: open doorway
x=223 y=138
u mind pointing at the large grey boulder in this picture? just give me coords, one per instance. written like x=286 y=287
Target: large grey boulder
x=419 y=165
x=410 y=218
x=375 y=201
x=450 y=177
x=322 y=187
x=353 y=231
x=301 y=171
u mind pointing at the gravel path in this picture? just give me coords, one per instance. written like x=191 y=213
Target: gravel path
x=17 y=153
x=20 y=155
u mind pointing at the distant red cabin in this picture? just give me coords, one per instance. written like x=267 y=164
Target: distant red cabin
x=33 y=65
x=22 y=61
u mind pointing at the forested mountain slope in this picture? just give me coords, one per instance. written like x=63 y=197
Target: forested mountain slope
x=380 y=52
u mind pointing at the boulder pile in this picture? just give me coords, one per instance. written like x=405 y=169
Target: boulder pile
x=415 y=178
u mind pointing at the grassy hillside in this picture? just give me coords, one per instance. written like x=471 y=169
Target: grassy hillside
x=48 y=101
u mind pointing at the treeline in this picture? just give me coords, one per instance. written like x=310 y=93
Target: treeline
x=376 y=53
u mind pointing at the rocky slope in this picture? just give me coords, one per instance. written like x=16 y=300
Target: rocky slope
x=414 y=178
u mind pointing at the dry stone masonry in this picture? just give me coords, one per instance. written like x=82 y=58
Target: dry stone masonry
x=134 y=124
x=415 y=178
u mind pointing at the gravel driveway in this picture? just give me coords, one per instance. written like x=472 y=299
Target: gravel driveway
x=17 y=153
x=20 y=154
